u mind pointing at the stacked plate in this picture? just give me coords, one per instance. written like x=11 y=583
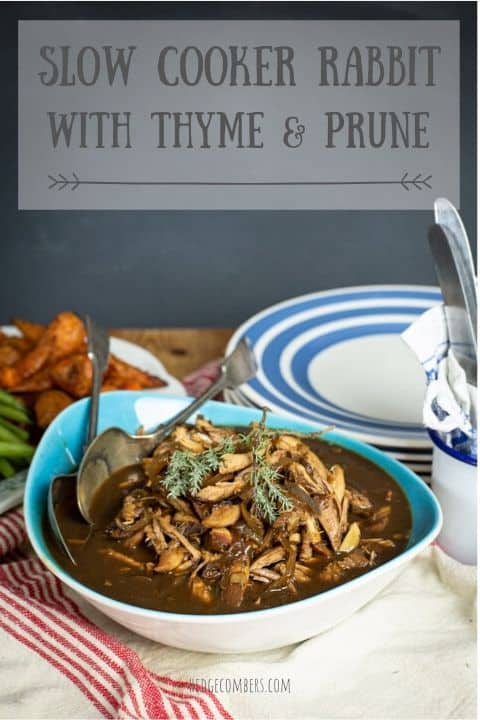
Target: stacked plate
x=337 y=358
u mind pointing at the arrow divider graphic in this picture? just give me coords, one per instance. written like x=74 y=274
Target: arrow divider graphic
x=60 y=182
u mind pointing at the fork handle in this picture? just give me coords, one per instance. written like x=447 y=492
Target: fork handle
x=98 y=342
x=94 y=400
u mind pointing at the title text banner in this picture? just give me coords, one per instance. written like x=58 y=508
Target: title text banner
x=238 y=115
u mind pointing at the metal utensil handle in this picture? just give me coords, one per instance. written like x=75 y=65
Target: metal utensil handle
x=94 y=402
x=448 y=268
x=183 y=415
x=449 y=218
x=11 y=491
x=446 y=214
x=98 y=342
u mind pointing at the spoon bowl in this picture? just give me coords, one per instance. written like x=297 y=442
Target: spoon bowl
x=110 y=451
x=56 y=491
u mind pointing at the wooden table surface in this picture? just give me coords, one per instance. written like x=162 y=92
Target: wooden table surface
x=181 y=350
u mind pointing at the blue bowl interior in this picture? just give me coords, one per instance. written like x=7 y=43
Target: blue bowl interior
x=61 y=446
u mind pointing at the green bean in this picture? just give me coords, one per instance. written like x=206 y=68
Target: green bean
x=7 y=435
x=6 y=468
x=7 y=398
x=13 y=413
x=19 y=432
x=16 y=451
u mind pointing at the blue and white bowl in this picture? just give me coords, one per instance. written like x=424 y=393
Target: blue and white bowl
x=237 y=632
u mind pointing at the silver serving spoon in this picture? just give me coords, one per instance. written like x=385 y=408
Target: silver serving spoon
x=115 y=449
x=98 y=344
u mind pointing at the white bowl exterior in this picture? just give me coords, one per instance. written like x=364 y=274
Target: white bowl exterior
x=455 y=484
x=254 y=632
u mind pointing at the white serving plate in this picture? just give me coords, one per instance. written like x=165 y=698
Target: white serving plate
x=336 y=358
x=419 y=460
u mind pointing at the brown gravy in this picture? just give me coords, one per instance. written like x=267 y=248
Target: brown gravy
x=170 y=593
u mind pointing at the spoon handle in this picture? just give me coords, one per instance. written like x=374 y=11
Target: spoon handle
x=11 y=491
x=98 y=348
x=184 y=414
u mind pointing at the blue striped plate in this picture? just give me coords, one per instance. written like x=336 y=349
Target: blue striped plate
x=336 y=358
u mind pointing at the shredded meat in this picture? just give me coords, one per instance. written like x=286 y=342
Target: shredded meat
x=217 y=535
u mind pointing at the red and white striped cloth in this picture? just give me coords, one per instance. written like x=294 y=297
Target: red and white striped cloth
x=36 y=612
x=111 y=679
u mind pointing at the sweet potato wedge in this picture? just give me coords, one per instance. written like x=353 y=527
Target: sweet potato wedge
x=49 y=404
x=22 y=344
x=63 y=336
x=28 y=365
x=73 y=374
x=30 y=330
x=8 y=355
x=123 y=376
x=38 y=382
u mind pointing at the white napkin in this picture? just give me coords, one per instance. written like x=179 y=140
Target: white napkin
x=450 y=402
x=408 y=654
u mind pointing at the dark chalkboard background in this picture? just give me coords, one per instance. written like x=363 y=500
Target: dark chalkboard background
x=188 y=268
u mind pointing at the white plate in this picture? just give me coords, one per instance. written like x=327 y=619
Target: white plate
x=419 y=460
x=401 y=453
x=336 y=358
x=137 y=356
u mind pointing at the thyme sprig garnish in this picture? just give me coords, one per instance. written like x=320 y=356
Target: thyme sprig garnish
x=269 y=499
x=187 y=471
